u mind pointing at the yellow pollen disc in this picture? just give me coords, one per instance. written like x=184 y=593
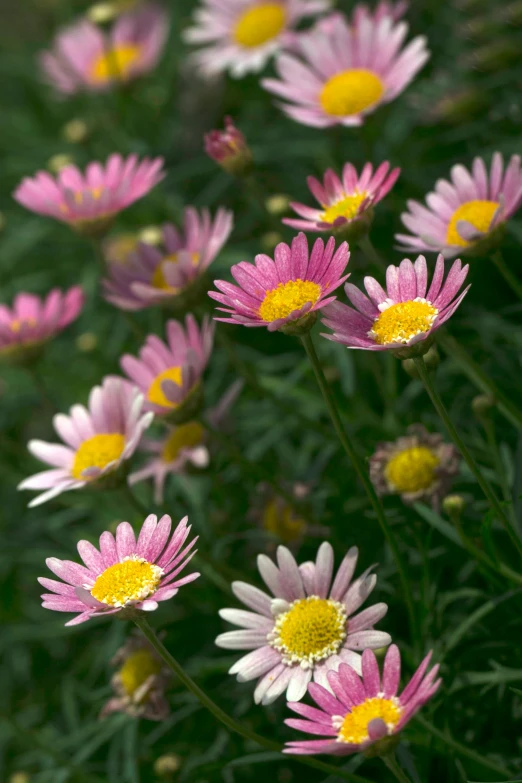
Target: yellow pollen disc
x=350 y=92
x=287 y=297
x=155 y=393
x=354 y=728
x=478 y=213
x=259 y=24
x=412 y=470
x=97 y=452
x=311 y=630
x=402 y=321
x=186 y=436
x=347 y=208
x=134 y=579
x=137 y=669
x=281 y=521
x=158 y=278
x=116 y=64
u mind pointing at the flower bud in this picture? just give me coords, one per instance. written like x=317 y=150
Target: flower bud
x=19 y=777
x=165 y=766
x=75 y=131
x=151 y=235
x=482 y=404
x=59 y=162
x=277 y=204
x=102 y=13
x=270 y=240
x=453 y=506
x=229 y=149
x=86 y=342
x=424 y=348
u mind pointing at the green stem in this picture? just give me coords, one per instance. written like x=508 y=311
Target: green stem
x=391 y=762
x=350 y=450
x=512 y=281
x=472 y=465
x=222 y=716
x=136 y=504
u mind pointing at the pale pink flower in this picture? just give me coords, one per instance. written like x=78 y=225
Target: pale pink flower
x=84 y=57
x=97 y=439
x=123 y=573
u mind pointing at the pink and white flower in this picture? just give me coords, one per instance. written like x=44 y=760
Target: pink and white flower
x=466 y=211
x=241 y=35
x=84 y=58
x=96 y=440
x=168 y=374
x=274 y=293
x=306 y=628
x=345 y=71
x=123 y=573
x=404 y=314
x=154 y=275
x=88 y=202
x=345 y=201
x=362 y=710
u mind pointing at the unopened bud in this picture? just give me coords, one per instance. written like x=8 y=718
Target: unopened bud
x=75 y=131
x=277 y=204
x=270 y=240
x=86 y=342
x=431 y=360
x=59 y=162
x=19 y=777
x=165 y=766
x=482 y=404
x=229 y=148
x=453 y=506
x=102 y=13
x=151 y=235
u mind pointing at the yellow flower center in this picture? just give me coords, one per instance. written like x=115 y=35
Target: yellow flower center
x=155 y=393
x=311 y=630
x=351 y=92
x=116 y=64
x=134 y=579
x=478 y=213
x=119 y=248
x=281 y=521
x=97 y=452
x=259 y=24
x=402 y=321
x=158 y=278
x=354 y=728
x=136 y=670
x=347 y=208
x=412 y=470
x=186 y=436
x=287 y=297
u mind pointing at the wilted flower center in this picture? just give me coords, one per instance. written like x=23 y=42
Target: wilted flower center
x=97 y=452
x=402 y=321
x=287 y=297
x=186 y=436
x=354 y=726
x=280 y=520
x=347 y=208
x=158 y=278
x=137 y=669
x=155 y=393
x=115 y=64
x=351 y=92
x=311 y=630
x=259 y=24
x=478 y=213
x=134 y=579
x=412 y=470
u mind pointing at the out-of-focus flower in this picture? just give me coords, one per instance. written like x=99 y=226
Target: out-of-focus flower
x=162 y=275
x=363 y=711
x=59 y=162
x=167 y=765
x=241 y=35
x=32 y=321
x=98 y=440
x=278 y=293
x=139 y=682
x=466 y=215
x=229 y=148
x=307 y=629
x=169 y=375
x=418 y=466
x=118 y=248
x=151 y=235
x=83 y=57
x=346 y=205
x=124 y=573
x=88 y=202
x=280 y=519
x=404 y=317
x=87 y=342
x=277 y=204
x=344 y=72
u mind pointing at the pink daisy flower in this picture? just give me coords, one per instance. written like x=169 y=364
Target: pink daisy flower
x=345 y=71
x=32 y=320
x=161 y=275
x=345 y=204
x=98 y=440
x=88 y=202
x=84 y=57
x=229 y=148
x=241 y=35
x=275 y=293
x=466 y=211
x=306 y=628
x=167 y=374
x=405 y=314
x=362 y=710
x=123 y=573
